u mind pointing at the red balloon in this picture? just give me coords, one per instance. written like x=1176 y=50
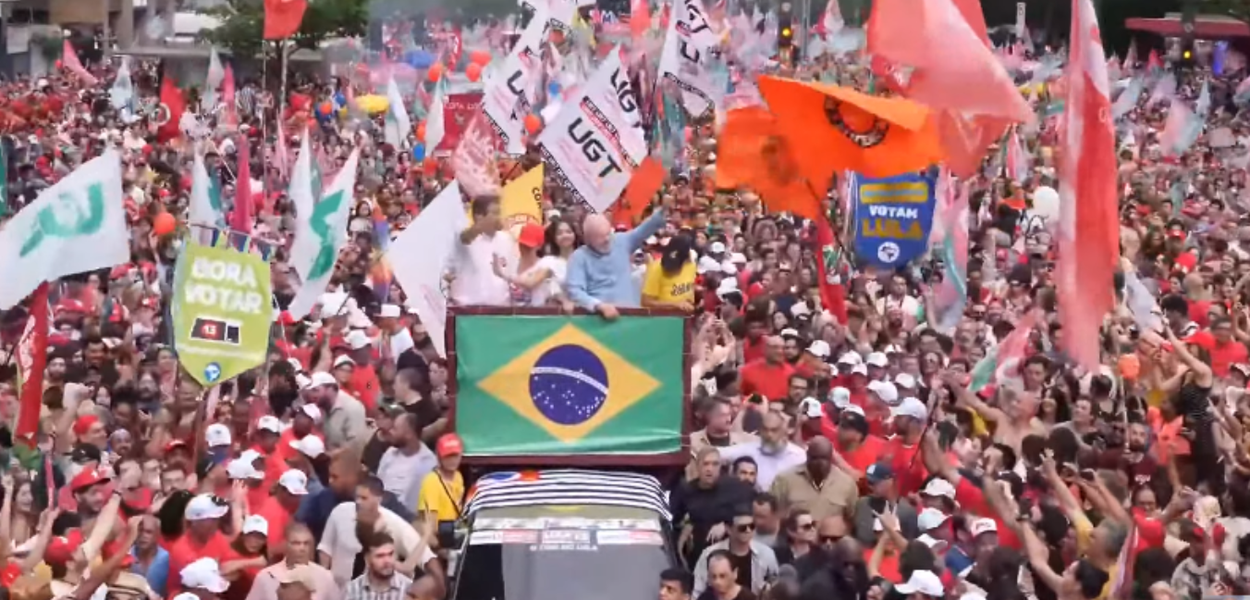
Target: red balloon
x=435 y=73
x=421 y=131
x=164 y=224
x=474 y=71
x=533 y=123
x=480 y=57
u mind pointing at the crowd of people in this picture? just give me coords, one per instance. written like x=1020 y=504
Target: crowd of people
x=832 y=458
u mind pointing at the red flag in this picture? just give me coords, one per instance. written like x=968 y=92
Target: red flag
x=955 y=73
x=32 y=358
x=283 y=18
x=174 y=105
x=639 y=18
x=227 y=96
x=643 y=184
x=832 y=294
x=1089 y=227
x=69 y=59
x=241 y=217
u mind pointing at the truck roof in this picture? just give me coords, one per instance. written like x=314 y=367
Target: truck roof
x=569 y=487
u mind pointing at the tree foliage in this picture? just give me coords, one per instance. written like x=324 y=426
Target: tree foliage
x=243 y=24
x=1237 y=9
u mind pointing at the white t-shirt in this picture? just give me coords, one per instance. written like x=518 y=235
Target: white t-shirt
x=475 y=282
x=340 y=543
x=538 y=295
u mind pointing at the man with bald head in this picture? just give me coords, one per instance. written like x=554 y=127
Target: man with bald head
x=600 y=272
x=816 y=486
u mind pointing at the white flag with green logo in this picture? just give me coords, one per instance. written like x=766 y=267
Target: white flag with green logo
x=205 y=196
x=320 y=236
x=398 y=124
x=75 y=226
x=301 y=188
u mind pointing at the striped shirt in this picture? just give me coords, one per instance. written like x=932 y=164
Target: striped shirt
x=361 y=588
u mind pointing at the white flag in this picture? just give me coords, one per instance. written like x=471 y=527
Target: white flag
x=301 y=188
x=75 y=226
x=510 y=90
x=435 y=127
x=320 y=236
x=687 y=50
x=216 y=74
x=398 y=125
x=592 y=146
x=121 y=95
x=432 y=237
x=205 y=196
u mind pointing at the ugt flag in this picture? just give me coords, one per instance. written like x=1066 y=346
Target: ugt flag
x=569 y=386
x=893 y=217
x=75 y=226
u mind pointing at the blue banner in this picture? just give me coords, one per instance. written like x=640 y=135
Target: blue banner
x=893 y=218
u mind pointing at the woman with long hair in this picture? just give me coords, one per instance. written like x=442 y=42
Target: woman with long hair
x=248 y=554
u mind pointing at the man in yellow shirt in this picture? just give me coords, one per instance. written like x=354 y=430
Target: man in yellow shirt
x=670 y=281
x=442 y=491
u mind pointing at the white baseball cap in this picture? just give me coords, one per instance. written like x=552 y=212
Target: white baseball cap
x=717 y=248
x=243 y=468
x=841 y=397
x=310 y=446
x=256 y=524
x=344 y=360
x=204 y=574
x=859 y=370
x=302 y=381
x=884 y=390
x=357 y=339
x=930 y=518
x=728 y=285
x=930 y=541
x=811 y=407
x=922 y=582
x=217 y=435
x=980 y=526
x=939 y=487
x=738 y=258
x=877 y=359
x=269 y=423
x=312 y=411
x=388 y=311
x=204 y=507
x=294 y=481
x=904 y=380
x=910 y=407
x=321 y=378
x=819 y=349
x=789 y=332
x=850 y=358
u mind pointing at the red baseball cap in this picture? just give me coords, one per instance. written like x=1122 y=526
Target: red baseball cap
x=61 y=548
x=87 y=478
x=449 y=444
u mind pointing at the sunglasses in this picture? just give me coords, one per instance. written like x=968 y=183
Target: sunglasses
x=744 y=527
x=805 y=526
x=830 y=539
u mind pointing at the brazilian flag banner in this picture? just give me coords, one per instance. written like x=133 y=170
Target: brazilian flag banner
x=569 y=386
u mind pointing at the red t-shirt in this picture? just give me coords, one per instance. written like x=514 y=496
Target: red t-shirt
x=769 y=381
x=972 y=499
x=242 y=584
x=752 y=350
x=278 y=517
x=909 y=471
x=1223 y=356
x=866 y=455
x=364 y=386
x=185 y=551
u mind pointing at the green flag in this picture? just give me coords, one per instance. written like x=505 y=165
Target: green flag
x=221 y=312
x=539 y=385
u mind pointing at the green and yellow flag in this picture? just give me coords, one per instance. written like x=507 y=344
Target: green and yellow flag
x=537 y=385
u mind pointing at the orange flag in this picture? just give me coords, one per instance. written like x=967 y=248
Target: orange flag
x=643 y=184
x=831 y=129
x=753 y=153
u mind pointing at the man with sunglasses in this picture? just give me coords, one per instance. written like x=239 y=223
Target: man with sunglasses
x=754 y=562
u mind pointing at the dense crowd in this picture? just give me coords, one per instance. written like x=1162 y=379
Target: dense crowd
x=860 y=456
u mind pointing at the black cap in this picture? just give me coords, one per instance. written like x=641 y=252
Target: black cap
x=85 y=453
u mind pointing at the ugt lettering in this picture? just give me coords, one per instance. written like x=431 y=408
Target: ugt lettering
x=592 y=148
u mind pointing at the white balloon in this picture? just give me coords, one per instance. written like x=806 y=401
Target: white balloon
x=1046 y=204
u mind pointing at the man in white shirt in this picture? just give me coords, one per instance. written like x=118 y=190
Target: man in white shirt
x=389 y=321
x=339 y=545
x=772 y=453
x=406 y=463
x=483 y=244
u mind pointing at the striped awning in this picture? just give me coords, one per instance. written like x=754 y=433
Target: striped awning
x=568 y=487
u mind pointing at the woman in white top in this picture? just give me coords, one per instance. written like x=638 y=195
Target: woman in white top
x=539 y=279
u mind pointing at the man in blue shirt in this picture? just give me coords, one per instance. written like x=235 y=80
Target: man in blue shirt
x=600 y=272
x=151 y=560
